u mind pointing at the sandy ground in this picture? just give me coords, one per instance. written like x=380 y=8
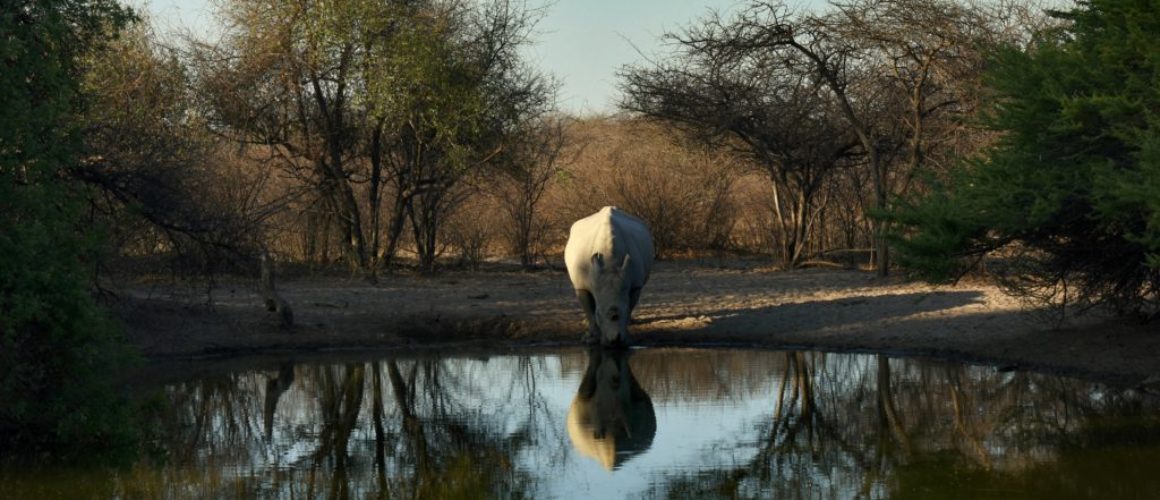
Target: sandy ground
x=731 y=304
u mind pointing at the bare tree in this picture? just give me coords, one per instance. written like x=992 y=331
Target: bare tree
x=762 y=105
x=533 y=159
x=900 y=75
x=807 y=47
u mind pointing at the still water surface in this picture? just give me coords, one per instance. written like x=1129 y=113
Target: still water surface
x=675 y=423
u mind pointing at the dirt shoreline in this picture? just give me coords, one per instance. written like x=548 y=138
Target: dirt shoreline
x=721 y=304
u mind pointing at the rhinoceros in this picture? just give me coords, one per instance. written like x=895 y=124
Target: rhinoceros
x=609 y=256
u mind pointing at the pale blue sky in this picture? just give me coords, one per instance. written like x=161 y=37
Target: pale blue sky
x=582 y=42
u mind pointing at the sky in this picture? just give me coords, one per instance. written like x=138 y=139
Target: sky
x=582 y=42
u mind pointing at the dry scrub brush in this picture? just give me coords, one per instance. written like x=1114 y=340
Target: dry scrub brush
x=684 y=193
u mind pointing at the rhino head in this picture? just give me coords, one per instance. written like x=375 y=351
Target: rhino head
x=611 y=295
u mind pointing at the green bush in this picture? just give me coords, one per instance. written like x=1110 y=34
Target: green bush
x=1070 y=193
x=57 y=347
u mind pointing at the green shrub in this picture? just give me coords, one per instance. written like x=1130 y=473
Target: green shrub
x=1071 y=191
x=57 y=347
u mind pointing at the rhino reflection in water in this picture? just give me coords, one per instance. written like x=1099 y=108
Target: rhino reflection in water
x=611 y=418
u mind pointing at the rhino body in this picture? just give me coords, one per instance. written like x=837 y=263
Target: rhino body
x=609 y=257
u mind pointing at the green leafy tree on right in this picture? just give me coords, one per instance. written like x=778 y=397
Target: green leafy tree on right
x=1067 y=199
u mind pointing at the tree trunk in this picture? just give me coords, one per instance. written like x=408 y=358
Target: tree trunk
x=829 y=75
x=331 y=167
x=402 y=210
x=881 y=246
x=374 y=198
x=424 y=225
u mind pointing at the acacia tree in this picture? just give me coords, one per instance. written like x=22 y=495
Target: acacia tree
x=760 y=104
x=283 y=82
x=928 y=55
x=807 y=45
x=467 y=107
x=900 y=74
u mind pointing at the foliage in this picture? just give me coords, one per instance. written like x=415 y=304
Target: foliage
x=735 y=93
x=54 y=340
x=367 y=104
x=152 y=165
x=871 y=90
x=1070 y=195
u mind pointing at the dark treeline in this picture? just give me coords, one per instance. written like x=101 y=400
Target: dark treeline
x=380 y=134
x=55 y=341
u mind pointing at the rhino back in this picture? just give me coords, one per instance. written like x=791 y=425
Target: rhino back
x=613 y=233
x=633 y=236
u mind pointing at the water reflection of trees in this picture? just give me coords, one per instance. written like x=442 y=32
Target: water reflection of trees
x=829 y=426
x=872 y=427
x=400 y=429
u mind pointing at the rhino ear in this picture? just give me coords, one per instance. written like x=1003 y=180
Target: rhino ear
x=598 y=260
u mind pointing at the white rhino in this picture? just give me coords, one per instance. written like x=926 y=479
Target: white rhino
x=609 y=257
x=611 y=419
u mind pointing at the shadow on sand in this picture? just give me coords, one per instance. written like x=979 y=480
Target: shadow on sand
x=828 y=314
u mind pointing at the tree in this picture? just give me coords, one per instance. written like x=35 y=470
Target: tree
x=528 y=165
x=476 y=104
x=1068 y=198
x=284 y=82
x=152 y=165
x=892 y=80
x=55 y=342
x=809 y=45
x=763 y=105
x=364 y=101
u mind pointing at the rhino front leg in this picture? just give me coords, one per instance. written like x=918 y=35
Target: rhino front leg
x=588 y=304
x=633 y=298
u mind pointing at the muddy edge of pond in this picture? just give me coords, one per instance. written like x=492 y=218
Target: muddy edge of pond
x=685 y=305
